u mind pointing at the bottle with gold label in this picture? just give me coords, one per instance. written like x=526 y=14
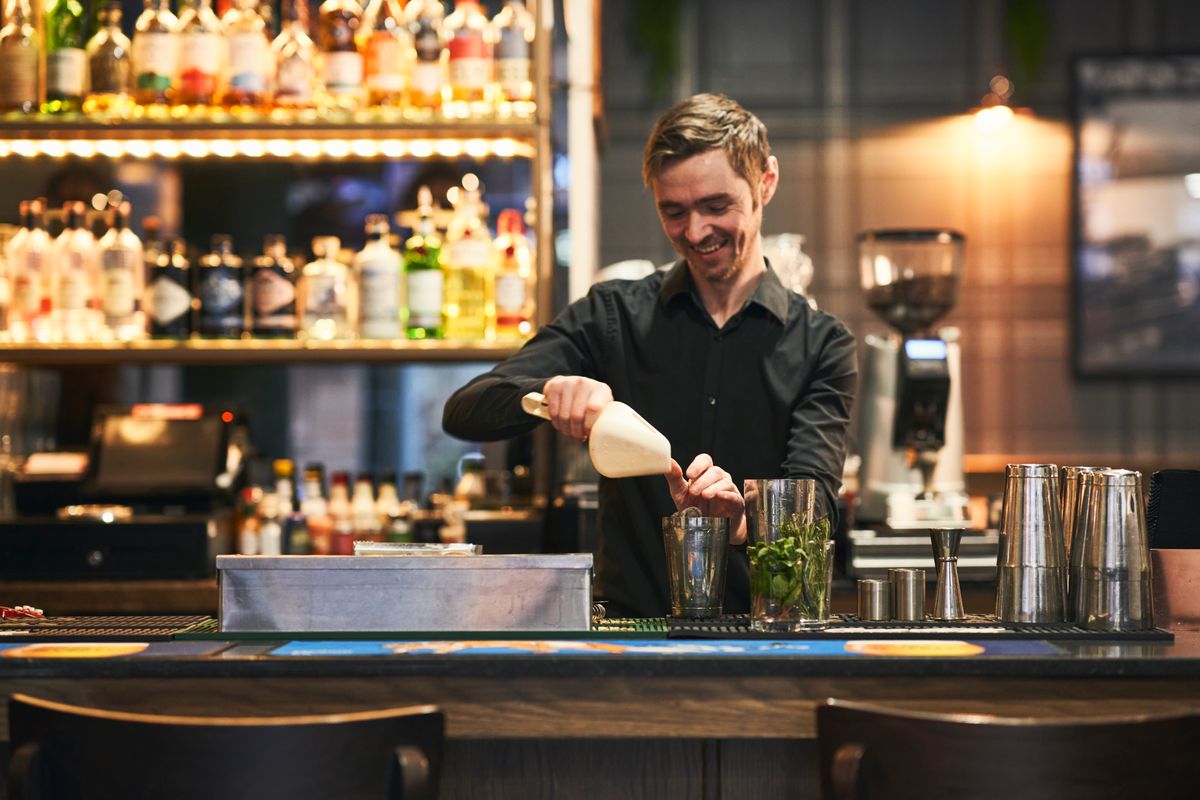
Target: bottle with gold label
x=273 y=291
x=20 y=54
x=424 y=19
x=155 y=54
x=295 y=59
x=467 y=266
x=66 y=61
x=202 y=51
x=341 y=62
x=514 y=286
x=110 y=66
x=387 y=47
x=247 y=82
x=468 y=38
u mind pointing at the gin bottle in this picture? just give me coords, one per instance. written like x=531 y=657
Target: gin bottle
x=155 y=54
x=75 y=259
x=122 y=273
x=273 y=291
x=222 y=291
x=295 y=59
x=325 y=293
x=169 y=302
x=341 y=62
x=513 y=30
x=202 y=50
x=468 y=38
x=247 y=83
x=378 y=268
x=66 y=61
x=424 y=19
x=110 y=66
x=423 y=273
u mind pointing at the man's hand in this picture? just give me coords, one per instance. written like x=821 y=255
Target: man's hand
x=574 y=403
x=711 y=489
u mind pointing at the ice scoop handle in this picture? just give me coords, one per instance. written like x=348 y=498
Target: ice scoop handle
x=534 y=403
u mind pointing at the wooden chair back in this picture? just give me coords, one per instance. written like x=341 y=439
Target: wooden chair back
x=64 y=752
x=870 y=752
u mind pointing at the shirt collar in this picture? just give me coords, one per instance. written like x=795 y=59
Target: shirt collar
x=770 y=292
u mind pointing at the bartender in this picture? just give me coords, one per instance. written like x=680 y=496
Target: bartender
x=740 y=374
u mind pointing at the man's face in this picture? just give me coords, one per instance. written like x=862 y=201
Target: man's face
x=710 y=213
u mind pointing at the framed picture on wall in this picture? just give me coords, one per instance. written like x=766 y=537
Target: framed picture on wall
x=1136 y=254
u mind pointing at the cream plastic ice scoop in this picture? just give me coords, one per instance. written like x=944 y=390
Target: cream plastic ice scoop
x=621 y=443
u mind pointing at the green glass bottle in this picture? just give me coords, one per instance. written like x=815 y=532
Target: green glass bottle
x=66 y=60
x=423 y=274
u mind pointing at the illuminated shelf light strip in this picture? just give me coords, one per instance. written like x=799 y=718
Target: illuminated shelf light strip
x=172 y=149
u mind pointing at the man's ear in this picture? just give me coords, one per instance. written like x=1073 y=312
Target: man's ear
x=770 y=180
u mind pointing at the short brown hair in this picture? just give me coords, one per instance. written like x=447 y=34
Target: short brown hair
x=706 y=122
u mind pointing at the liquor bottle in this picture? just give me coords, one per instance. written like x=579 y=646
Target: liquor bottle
x=424 y=19
x=514 y=287
x=247 y=82
x=394 y=526
x=75 y=262
x=110 y=66
x=363 y=515
x=325 y=293
x=513 y=30
x=123 y=275
x=20 y=56
x=222 y=291
x=169 y=300
x=342 y=535
x=423 y=273
x=31 y=264
x=270 y=526
x=316 y=510
x=341 y=63
x=66 y=61
x=295 y=59
x=201 y=55
x=387 y=47
x=468 y=38
x=155 y=54
x=7 y=232
x=273 y=291
x=467 y=260
x=378 y=268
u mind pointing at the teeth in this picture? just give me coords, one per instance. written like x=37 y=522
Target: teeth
x=710 y=249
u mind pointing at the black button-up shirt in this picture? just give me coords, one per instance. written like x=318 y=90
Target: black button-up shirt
x=767 y=395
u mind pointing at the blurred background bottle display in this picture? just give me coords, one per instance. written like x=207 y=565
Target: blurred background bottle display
x=378 y=269
x=315 y=510
x=468 y=40
x=31 y=269
x=341 y=62
x=246 y=83
x=123 y=277
x=325 y=292
x=222 y=291
x=295 y=58
x=20 y=55
x=423 y=273
x=110 y=66
x=168 y=297
x=467 y=266
x=75 y=267
x=387 y=47
x=201 y=54
x=425 y=18
x=513 y=31
x=273 y=291
x=514 y=286
x=155 y=54
x=66 y=61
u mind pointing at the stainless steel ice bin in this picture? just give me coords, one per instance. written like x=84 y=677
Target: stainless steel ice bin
x=405 y=593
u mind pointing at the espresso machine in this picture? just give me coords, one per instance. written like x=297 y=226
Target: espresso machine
x=910 y=426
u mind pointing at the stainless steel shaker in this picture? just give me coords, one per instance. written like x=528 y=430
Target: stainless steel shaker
x=1069 y=486
x=1032 y=563
x=1114 y=591
x=1076 y=494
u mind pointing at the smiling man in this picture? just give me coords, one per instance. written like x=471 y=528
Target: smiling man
x=743 y=377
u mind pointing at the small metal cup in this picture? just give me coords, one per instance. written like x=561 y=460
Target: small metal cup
x=874 y=600
x=1031 y=565
x=908 y=594
x=1114 y=592
x=697 y=551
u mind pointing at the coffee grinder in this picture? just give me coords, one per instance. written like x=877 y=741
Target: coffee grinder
x=910 y=409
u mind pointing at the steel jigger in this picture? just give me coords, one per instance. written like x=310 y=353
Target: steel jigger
x=947 y=604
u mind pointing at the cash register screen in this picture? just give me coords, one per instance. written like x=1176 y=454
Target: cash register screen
x=150 y=456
